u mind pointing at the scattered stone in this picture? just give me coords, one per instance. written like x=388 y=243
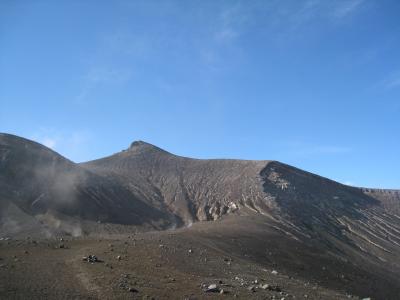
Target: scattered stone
x=252 y=288
x=190 y=251
x=133 y=290
x=91 y=258
x=212 y=288
x=274 y=288
x=119 y=257
x=227 y=260
x=274 y=272
x=265 y=286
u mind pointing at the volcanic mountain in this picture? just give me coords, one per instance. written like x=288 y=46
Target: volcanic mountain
x=348 y=235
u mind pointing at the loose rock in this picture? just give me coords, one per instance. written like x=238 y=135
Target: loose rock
x=133 y=290
x=251 y=288
x=212 y=288
x=91 y=258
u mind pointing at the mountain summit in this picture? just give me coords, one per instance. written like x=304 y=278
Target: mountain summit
x=141 y=146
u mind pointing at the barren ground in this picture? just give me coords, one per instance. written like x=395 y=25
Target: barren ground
x=176 y=265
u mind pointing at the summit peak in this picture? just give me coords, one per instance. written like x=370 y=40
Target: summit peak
x=143 y=146
x=139 y=143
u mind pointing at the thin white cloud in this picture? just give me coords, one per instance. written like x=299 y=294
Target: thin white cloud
x=292 y=15
x=126 y=47
x=392 y=81
x=226 y=34
x=108 y=75
x=305 y=13
x=72 y=145
x=48 y=142
x=344 y=9
x=224 y=28
x=322 y=9
x=349 y=183
x=100 y=76
x=229 y=24
x=283 y=19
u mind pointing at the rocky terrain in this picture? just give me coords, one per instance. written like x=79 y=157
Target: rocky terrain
x=168 y=227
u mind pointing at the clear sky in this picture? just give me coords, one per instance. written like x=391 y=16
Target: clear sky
x=315 y=84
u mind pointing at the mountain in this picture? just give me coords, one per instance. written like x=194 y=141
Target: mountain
x=189 y=189
x=193 y=190
x=312 y=222
x=36 y=181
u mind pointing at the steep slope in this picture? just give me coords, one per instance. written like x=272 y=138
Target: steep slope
x=39 y=182
x=192 y=189
x=307 y=205
x=390 y=199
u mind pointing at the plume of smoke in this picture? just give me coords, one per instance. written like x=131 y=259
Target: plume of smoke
x=9 y=226
x=58 y=226
x=13 y=221
x=60 y=180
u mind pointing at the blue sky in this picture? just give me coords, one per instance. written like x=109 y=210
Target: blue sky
x=313 y=83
